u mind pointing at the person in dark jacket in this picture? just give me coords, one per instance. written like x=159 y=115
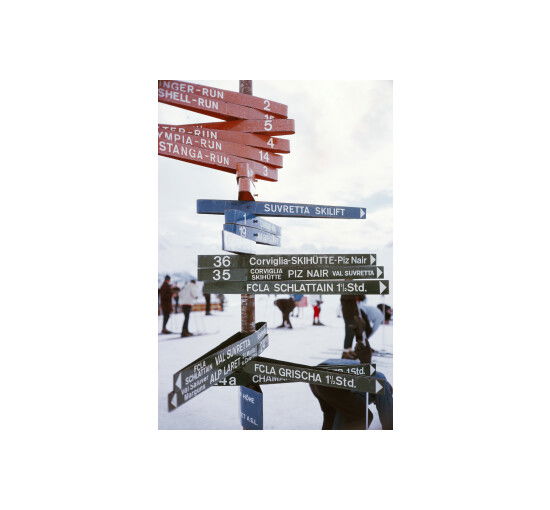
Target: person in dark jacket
x=387 y=310
x=350 y=312
x=286 y=306
x=176 y=296
x=165 y=294
x=347 y=410
x=207 y=300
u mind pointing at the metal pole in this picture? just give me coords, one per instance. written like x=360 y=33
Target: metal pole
x=248 y=303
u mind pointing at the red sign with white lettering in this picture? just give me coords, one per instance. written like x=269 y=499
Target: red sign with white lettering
x=212 y=107
x=222 y=146
x=266 y=126
x=228 y=96
x=214 y=159
x=268 y=143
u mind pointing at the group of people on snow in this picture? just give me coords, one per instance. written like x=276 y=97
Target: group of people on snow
x=183 y=299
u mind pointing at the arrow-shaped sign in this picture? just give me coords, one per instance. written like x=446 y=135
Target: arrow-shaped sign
x=229 y=96
x=298 y=287
x=214 y=159
x=237 y=244
x=265 y=142
x=280 y=209
x=250 y=220
x=213 y=107
x=295 y=260
x=237 y=274
x=272 y=127
x=216 y=364
x=221 y=146
x=254 y=234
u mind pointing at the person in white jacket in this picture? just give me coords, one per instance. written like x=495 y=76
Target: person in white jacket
x=373 y=316
x=188 y=295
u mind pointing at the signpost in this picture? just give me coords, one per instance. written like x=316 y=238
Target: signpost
x=299 y=287
x=266 y=142
x=308 y=260
x=247 y=145
x=242 y=274
x=281 y=209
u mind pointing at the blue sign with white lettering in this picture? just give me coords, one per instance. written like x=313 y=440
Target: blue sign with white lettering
x=252 y=409
x=281 y=209
x=250 y=220
x=254 y=234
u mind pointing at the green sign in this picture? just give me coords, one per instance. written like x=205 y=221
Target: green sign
x=240 y=378
x=280 y=273
x=294 y=372
x=286 y=261
x=298 y=287
x=216 y=364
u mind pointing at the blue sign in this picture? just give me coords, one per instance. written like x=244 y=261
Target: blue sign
x=254 y=234
x=250 y=220
x=252 y=409
x=281 y=209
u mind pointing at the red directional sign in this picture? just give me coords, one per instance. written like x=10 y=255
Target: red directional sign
x=214 y=159
x=266 y=126
x=268 y=143
x=212 y=107
x=225 y=147
x=265 y=105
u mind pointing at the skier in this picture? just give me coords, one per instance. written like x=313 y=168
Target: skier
x=350 y=312
x=317 y=313
x=372 y=316
x=297 y=298
x=345 y=409
x=176 y=294
x=188 y=295
x=221 y=301
x=207 y=299
x=286 y=306
x=165 y=295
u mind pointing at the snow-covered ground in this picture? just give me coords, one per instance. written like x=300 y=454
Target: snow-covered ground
x=286 y=406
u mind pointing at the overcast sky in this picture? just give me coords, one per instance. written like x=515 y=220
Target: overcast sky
x=340 y=155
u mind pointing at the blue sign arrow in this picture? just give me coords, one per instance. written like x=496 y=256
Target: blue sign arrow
x=252 y=409
x=281 y=209
x=254 y=234
x=250 y=220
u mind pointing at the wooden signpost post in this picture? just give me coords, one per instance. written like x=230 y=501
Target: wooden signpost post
x=247 y=144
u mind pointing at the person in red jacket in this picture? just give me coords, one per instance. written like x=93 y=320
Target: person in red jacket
x=317 y=313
